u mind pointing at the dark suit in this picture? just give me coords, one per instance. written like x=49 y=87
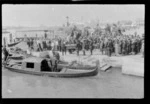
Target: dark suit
x=91 y=47
x=63 y=48
x=83 y=48
x=78 y=47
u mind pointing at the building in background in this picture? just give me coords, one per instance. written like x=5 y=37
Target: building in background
x=6 y=37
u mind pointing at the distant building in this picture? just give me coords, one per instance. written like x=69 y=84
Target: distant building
x=6 y=37
x=139 y=22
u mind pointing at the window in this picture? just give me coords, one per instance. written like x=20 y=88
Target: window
x=30 y=65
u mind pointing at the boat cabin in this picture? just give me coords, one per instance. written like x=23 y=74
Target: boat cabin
x=32 y=64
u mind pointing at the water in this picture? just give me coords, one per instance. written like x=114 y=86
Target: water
x=110 y=84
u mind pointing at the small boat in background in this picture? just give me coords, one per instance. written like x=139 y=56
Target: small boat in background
x=16 y=57
x=14 y=44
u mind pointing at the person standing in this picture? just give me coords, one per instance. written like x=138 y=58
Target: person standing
x=91 y=47
x=127 y=47
x=142 y=48
x=49 y=45
x=78 y=47
x=130 y=46
x=6 y=54
x=43 y=43
x=39 y=46
x=133 y=46
x=63 y=47
x=109 y=47
x=116 y=48
x=28 y=43
x=52 y=45
x=59 y=45
x=31 y=43
x=136 y=45
x=102 y=46
x=83 y=47
x=121 y=46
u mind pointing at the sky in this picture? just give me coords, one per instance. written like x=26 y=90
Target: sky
x=51 y=15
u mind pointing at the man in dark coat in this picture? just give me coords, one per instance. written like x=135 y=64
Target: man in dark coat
x=127 y=47
x=121 y=46
x=6 y=54
x=133 y=46
x=63 y=48
x=59 y=45
x=130 y=46
x=102 y=46
x=31 y=43
x=91 y=46
x=44 y=44
x=136 y=46
x=78 y=47
x=28 y=43
x=109 y=47
x=83 y=47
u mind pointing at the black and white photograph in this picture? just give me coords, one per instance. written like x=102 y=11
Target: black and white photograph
x=73 y=51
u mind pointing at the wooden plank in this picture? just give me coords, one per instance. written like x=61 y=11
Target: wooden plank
x=102 y=64
x=106 y=67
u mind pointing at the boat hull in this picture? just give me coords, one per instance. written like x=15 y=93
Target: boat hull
x=16 y=58
x=57 y=74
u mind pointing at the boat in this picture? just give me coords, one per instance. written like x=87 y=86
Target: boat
x=33 y=66
x=61 y=63
x=13 y=44
x=16 y=57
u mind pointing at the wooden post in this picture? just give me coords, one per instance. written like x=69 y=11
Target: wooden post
x=10 y=37
x=4 y=39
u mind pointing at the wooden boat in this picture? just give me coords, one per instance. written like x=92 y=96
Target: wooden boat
x=13 y=44
x=33 y=66
x=61 y=62
x=16 y=57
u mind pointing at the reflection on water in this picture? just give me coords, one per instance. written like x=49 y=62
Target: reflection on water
x=111 y=84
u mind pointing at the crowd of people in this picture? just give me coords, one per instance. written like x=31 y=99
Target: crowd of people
x=121 y=45
x=107 y=44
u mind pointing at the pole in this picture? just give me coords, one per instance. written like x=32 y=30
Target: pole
x=4 y=39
